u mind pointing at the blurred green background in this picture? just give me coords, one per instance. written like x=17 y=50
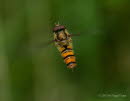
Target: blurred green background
x=32 y=73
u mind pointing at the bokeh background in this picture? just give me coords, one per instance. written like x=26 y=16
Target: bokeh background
x=31 y=72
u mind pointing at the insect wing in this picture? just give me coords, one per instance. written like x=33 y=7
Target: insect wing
x=38 y=48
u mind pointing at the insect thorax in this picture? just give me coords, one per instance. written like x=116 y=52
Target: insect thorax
x=62 y=37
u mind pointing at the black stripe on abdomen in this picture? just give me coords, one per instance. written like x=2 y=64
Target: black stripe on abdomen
x=66 y=49
x=71 y=63
x=68 y=56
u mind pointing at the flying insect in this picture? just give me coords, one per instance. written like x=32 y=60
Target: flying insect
x=63 y=42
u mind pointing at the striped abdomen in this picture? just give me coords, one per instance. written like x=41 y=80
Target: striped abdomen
x=69 y=57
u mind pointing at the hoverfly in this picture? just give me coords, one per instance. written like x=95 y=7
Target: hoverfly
x=63 y=42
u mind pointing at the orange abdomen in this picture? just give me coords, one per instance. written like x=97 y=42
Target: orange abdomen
x=69 y=58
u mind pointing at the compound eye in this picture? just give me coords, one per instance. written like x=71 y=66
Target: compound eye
x=58 y=28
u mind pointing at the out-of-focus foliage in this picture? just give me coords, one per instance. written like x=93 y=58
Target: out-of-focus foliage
x=29 y=72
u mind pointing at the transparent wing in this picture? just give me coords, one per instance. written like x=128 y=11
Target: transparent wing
x=39 y=47
x=44 y=45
